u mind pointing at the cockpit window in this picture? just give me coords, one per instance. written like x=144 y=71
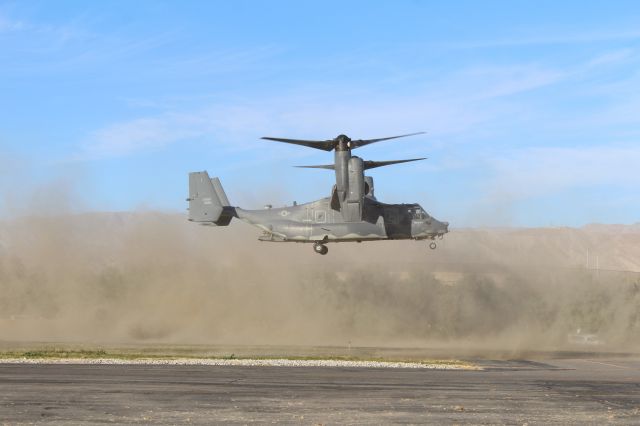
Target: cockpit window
x=418 y=213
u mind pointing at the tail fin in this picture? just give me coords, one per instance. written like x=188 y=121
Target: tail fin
x=207 y=201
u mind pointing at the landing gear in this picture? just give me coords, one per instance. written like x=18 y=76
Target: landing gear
x=320 y=248
x=432 y=245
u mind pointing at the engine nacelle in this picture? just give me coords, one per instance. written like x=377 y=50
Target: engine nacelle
x=352 y=208
x=356 y=179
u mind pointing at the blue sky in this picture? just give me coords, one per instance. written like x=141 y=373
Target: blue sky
x=532 y=109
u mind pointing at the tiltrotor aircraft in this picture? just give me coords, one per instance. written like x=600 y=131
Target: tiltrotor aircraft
x=351 y=213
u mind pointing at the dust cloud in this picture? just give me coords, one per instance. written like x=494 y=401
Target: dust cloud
x=142 y=277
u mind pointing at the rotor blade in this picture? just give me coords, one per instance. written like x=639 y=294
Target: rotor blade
x=374 y=164
x=323 y=145
x=362 y=142
x=326 y=166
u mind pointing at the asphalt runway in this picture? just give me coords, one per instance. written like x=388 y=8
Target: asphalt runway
x=566 y=391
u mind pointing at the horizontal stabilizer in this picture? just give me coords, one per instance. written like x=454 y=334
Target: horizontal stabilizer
x=373 y=164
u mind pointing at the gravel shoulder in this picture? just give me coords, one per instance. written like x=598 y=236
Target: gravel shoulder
x=282 y=362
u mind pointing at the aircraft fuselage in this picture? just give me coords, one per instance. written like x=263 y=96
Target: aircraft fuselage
x=317 y=221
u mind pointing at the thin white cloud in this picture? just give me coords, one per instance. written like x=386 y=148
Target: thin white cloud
x=510 y=80
x=464 y=102
x=235 y=123
x=218 y=124
x=534 y=172
x=9 y=25
x=141 y=134
x=473 y=101
x=586 y=37
x=612 y=57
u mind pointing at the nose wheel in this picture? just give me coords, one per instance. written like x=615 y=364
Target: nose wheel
x=320 y=248
x=432 y=245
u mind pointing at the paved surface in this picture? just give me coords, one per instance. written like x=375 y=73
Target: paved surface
x=577 y=391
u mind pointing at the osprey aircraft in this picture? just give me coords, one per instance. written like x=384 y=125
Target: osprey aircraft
x=350 y=213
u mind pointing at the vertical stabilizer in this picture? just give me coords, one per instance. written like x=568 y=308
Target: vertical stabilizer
x=208 y=202
x=217 y=187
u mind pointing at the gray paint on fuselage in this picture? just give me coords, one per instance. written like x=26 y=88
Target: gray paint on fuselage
x=317 y=221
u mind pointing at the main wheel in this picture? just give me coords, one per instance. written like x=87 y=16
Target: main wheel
x=432 y=246
x=320 y=248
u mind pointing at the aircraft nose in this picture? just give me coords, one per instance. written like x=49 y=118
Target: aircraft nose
x=444 y=227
